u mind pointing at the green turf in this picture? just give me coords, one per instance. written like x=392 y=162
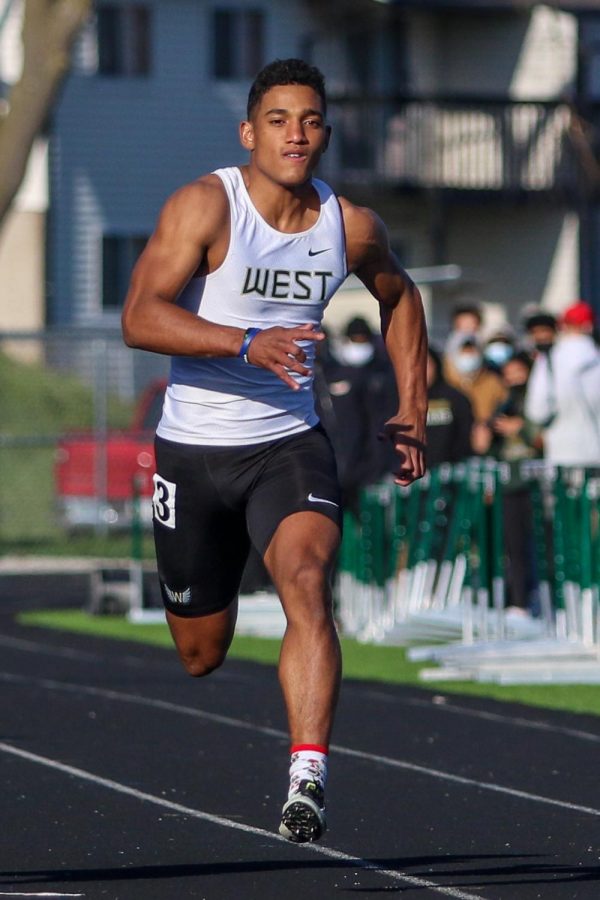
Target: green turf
x=362 y=661
x=84 y=543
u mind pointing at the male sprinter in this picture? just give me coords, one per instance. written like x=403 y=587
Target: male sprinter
x=233 y=284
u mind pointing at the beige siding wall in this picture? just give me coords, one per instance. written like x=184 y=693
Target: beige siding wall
x=11 y=52
x=509 y=257
x=520 y=56
x=22 y=235
x=515 y=257
x=22 y=249
x=22 y=271
x=423 y=54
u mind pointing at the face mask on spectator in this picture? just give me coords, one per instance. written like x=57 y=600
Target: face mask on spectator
x=544 y=346
x=467 y=363
x=498 y=352
x=354 y=353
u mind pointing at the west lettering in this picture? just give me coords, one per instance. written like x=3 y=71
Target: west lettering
x=256 y=287
x=302 y=285
x=281 y=282
x=324 y=277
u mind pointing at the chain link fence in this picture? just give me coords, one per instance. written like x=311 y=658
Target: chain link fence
x=425 y=563
x=78 y=413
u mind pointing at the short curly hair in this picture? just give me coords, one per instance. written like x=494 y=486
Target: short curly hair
x=285 y=71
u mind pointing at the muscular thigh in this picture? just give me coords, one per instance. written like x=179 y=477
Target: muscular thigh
x=200 y=536
x=299 y=476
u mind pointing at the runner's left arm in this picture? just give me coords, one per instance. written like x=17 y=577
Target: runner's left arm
x=404 y=332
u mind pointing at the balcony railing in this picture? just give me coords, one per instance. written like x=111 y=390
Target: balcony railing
x=452 y=144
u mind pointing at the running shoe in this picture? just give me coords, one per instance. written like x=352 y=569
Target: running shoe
x=303 y=815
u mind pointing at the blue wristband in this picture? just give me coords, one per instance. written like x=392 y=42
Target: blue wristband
x=249 y=336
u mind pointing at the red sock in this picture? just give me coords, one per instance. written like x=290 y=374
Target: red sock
x=320 y=748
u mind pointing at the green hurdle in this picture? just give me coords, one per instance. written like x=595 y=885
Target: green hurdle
x=541 y=499
x=438 y=546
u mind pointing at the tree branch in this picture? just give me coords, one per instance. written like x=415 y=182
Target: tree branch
x=49 y=31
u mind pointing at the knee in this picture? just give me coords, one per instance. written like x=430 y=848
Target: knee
x=198 y=662
x=202 y=642
x=308 y=578
x=307 y=587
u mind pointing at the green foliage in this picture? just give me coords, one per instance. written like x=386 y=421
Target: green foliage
x=37 y=405
x=36 y=400
x=27 y=494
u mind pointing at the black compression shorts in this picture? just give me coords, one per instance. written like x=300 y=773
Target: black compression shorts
x=210 y=503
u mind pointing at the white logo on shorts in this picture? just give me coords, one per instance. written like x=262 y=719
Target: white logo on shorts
x=184 y=596
x=314 y=499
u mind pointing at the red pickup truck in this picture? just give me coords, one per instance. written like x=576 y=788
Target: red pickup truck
x=96 y=480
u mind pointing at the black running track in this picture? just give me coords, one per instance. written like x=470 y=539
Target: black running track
x=124 y=778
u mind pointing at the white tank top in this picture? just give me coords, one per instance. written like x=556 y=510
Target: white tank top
x=267 y=278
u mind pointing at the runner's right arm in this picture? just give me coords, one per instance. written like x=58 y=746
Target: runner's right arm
x=192 y=237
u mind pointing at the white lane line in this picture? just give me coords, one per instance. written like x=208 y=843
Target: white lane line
x=367 y=864
x=444 y=706
x=137 y=662
x=36 y=647
x=134 y=662
x=122 y=697
x=36 y=894
x=472 y=782
x=278 y=733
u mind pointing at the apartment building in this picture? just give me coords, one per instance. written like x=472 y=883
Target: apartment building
x=467 y=125
x=479 y=149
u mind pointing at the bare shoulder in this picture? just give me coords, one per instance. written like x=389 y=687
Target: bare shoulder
x=200 y=207
x=370 y=256
x=366 y=234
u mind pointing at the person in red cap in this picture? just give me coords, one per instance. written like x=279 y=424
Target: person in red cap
x=580 y=317
x=563 y=393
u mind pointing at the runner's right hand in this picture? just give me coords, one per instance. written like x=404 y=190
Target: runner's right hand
x=277 y=350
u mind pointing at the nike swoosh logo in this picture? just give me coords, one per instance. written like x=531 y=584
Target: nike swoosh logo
x=314 y=499
x=317 y=252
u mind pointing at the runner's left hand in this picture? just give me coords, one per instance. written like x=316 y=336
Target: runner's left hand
x=409 y=445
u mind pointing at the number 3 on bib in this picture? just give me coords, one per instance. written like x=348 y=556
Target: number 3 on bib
x=163 y=501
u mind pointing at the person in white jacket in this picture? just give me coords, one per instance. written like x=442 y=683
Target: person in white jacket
x=563 y=393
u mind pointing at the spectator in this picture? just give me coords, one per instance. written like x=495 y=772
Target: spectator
x=509 y=437
x=357 y=346
x=563 y=394
x=465 y=321
x=499 y=348
x=449 y=417
x=465 y=370
x=355 y=393
x=541 y=328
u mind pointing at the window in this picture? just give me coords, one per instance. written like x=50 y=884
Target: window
x=119 y=256
x=124 y=40
x=238 y=42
